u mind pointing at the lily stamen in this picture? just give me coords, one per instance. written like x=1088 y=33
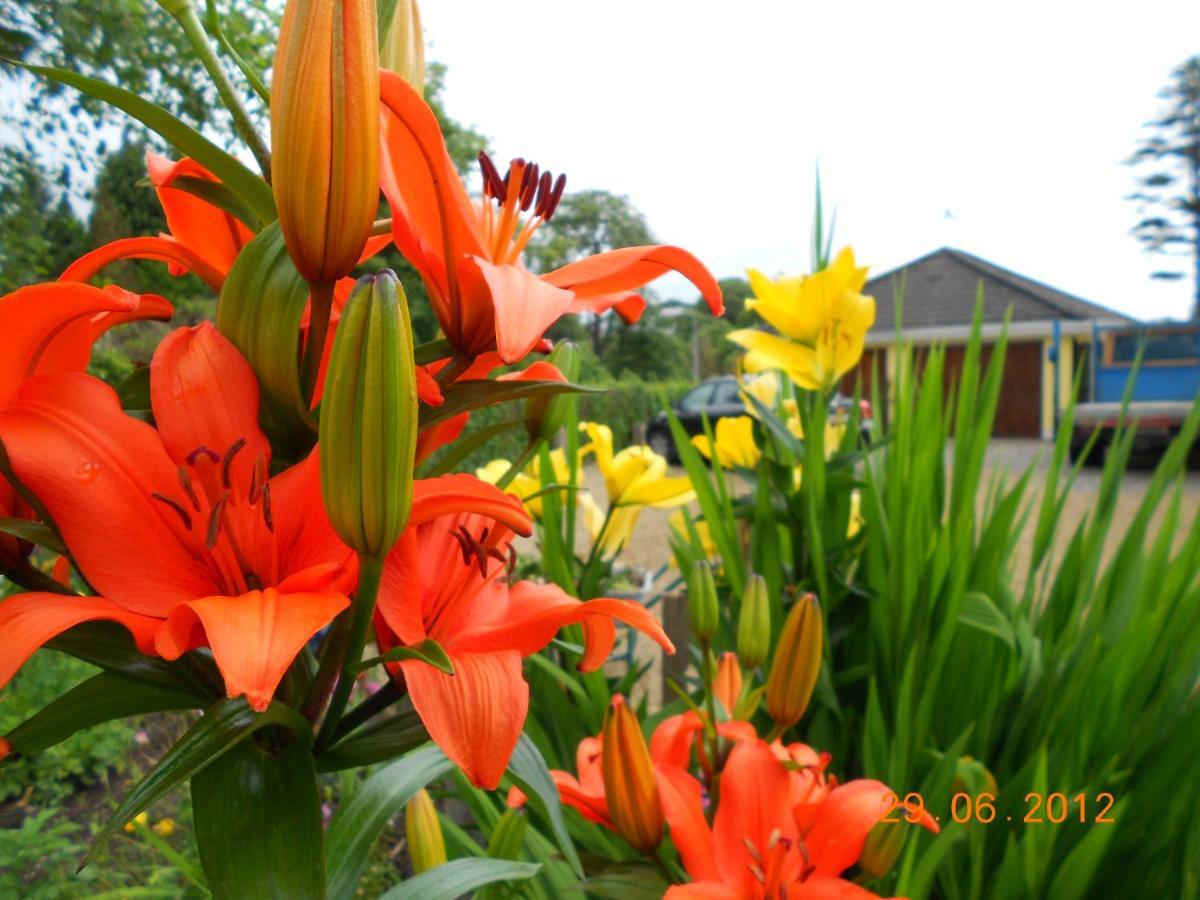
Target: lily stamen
x=524 y=187
x=227 y=462
x=183 y=514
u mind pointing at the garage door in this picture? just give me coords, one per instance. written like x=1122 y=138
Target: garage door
x=1019 y=410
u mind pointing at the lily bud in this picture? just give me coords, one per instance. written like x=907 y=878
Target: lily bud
x=702 y=602
x=544 y=416
x=754 y=623
x=727 y=685
x=629 y=785
x=884 y=843
x=508 y=837
x=369 y=418
x=325 y=133
x=797 y=663
x=426 y=846
x=402 y=45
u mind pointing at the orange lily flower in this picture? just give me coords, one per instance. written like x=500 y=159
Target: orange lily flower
x=446 y=579
x=776 y=833
x=469 y=254
x=179 y=529
x=51 y=328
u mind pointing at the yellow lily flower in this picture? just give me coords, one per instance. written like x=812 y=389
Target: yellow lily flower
x=822 y=320
x=733 y=443
x=637 y=476
x=529 y=482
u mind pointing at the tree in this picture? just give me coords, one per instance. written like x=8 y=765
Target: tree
x=587 y=223
x=1168 y=194
x=39 y=233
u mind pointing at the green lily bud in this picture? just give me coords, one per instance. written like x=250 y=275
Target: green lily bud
x=369 y=418
x=702 y=602
x=426 y=846
x=884 y=843
x=797 y=662
x=754 y=623
x=508 y=837
x=544 y=416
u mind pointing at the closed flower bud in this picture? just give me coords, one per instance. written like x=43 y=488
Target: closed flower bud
x=797 y=663
x=544 y=416
x=702 y=602
x=325 y=133
x=727 y=685
x=508 y=837
x=754 y=623
x=402 y=45
x=426 y=846
x=369 y=418
x=884 y=843
x=629 y=784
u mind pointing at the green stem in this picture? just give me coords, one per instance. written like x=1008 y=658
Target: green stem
x=661 y=865
x=186 y=16
x=710 y=732
x=449 y=373
x=585 y=575
x=369 y=708
x=517 y=465
x=32 y=578
x=213 y=27
x=320 y=309
x=370 y=570
x=333 y=651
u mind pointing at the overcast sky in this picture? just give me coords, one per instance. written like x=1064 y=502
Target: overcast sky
x=1000 y=132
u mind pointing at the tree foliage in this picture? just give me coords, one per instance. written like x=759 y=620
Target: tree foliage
x=1168 y=182
x=39 y=233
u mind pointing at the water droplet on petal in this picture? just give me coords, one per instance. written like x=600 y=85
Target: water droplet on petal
x=86 y=472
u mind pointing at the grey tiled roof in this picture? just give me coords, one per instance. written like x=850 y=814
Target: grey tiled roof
x=939 y=290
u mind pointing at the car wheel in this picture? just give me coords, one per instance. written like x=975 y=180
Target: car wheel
x=660 y=442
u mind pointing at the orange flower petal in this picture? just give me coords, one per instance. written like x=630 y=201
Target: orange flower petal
x=27 y=621
x=95 y=469
x=622 y=270
x=680 y=796
x=254 y=637
x=510 y=301
x=163 y=248
x=304 y=537
x=627 y=304
x=204 y=394
x=432 y=439
x=209 y=231
x=474 y=715
x=462 y=493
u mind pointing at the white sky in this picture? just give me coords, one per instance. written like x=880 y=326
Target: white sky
x=712 y=116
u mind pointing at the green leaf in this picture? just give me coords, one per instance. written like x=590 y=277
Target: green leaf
x=464 y=396
x=258 y=824
x=432 y=351
x=134 y=389
x=529 y=771
x=980 y=613
x=219 y=195
x=373 y=804
x=378 y=742
x=33 y=532
x=259 y=310
x=468 y=444
x=459 y=877
x=625 y=881
x=239 y=179
x=100 y=698
x=109 y=646
x=222 y=727
x=427 y=651
x=1075 y=873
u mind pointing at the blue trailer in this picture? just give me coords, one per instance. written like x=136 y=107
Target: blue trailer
x=1167 y=383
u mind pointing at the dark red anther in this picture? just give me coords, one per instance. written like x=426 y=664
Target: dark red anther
x=529 y=183
x=543 y=193
x=214 y=522
x=183 y=513
x=463 y=537
x=185 y=481
x=191 y=458
x=227 y=463
x=560 y=185
x=491 y=177
x=258 y=478
x=266 y=507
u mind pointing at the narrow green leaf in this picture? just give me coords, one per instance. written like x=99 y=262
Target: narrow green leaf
x=109 y=646
x=529 y=771
x=220 y=196
x=222 y=727
x=428 y=651
x=101 y=698
x=373 y=804
x=625 y=881
x=374 y=743
x=134 y=389
x=258 y=824
x=33 y=532
x=980 y=613
x=432 y=351
x=239 y=179
x=468 y=444
x=464 y=396
x=459 y=877
x=1076 y=871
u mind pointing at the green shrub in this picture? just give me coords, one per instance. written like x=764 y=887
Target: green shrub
x=83 y=759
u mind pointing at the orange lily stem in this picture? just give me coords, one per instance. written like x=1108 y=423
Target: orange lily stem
x=370 y=571
x=320 y=308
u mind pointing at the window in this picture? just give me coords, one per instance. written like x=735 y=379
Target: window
x=696 y=399
x=1162 y=346
x=727 y=394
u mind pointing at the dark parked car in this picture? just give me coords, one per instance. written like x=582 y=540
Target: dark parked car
x=720 y=398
